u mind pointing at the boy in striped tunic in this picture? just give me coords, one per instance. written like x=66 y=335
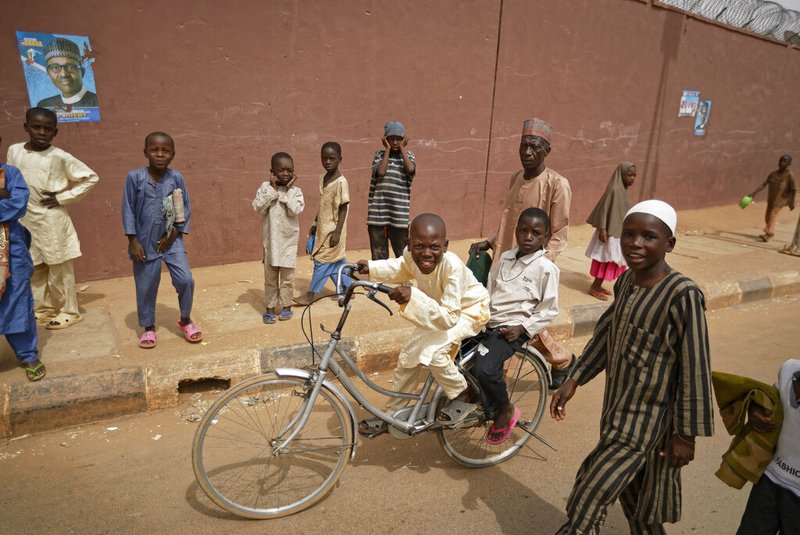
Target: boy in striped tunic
x=652 y=343
x=393 y=169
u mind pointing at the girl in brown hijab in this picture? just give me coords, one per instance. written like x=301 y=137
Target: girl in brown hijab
x=607 y=216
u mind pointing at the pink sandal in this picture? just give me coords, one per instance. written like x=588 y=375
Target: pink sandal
x=506 y=431
x=190 y=331
x=148 y=340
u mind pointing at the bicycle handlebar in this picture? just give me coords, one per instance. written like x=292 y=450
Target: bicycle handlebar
x=357 y=283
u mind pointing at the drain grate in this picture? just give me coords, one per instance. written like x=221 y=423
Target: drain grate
x=205 y=384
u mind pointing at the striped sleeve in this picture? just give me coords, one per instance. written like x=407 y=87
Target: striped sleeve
x=694 y=410
x=595 y=354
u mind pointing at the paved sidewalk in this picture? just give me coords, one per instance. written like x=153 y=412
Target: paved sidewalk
x=96 y=370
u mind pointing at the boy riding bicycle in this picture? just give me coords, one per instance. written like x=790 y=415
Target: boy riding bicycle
x=447 y=305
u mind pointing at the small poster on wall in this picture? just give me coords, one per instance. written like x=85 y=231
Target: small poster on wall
x=689 y=101
x=701 y=120
x=59 y=76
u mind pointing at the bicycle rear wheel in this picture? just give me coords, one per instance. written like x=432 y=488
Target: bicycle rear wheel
x=233 y=452
x=526 y=381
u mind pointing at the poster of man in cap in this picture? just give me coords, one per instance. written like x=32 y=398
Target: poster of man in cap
x=59 y=76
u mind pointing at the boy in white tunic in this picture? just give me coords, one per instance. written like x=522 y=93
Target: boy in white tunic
x=55 y=178
x=279 y=202
x=524 y=301
x=447 y=305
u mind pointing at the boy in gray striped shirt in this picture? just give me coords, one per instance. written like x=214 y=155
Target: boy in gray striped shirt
x=393 y=169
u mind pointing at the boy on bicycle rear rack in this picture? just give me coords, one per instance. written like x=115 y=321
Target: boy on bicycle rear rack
x=523 y=289
x=447 y=305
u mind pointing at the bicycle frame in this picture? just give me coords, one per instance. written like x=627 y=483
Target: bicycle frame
x=318 y=376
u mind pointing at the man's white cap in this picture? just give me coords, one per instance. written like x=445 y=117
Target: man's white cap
x=660 y=209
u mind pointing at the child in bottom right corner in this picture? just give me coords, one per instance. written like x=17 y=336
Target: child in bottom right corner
x=774 y=502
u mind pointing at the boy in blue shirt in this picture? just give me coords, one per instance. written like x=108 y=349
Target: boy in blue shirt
x=152 y=203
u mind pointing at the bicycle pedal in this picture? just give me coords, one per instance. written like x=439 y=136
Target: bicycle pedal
x=372 y=429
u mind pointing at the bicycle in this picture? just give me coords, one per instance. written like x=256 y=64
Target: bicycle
x=276 y=444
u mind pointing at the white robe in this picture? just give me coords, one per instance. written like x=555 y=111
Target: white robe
x=447 y=305
x=280 y=229
x=53 y=237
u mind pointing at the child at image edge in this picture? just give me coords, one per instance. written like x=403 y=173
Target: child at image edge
x=781 y=190
x=17 y=321
x=330 y=226
x=774 y=502
x=447 y=305
x=55 y=179
x=155 y=216
x=279 y=202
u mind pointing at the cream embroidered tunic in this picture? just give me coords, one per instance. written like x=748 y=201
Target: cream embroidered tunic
x=53 y=237
x=447 y=305
x=280 y=229
x=548 y=191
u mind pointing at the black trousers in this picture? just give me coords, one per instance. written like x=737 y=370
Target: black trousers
x=770 y=509
x=488 y=369
x=380 y=236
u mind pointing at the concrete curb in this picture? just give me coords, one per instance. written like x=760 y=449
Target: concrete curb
x=75 y=399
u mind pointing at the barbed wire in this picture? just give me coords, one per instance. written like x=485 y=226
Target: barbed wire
x=760 y=16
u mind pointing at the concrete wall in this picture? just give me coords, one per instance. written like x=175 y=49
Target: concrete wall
x=236 y=81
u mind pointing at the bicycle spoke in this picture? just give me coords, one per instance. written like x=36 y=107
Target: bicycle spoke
x=239 y=460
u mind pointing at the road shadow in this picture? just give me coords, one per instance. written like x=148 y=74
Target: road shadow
x=575 y=281
x=8 y=360
x=87 y=297
x=254 y=298
x=517 y=508
x=198 y=501
x=166 y=316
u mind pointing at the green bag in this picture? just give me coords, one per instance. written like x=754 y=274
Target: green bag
x=479 y=262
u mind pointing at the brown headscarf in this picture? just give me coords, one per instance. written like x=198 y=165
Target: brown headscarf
x=610 y=210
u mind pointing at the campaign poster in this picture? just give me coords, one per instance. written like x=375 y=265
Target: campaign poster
x=701 y=119
x=689 y=103
x=58 y=73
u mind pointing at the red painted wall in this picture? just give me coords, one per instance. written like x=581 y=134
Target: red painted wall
x=235 y=81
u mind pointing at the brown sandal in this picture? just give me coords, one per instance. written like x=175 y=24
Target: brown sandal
x=598 y=295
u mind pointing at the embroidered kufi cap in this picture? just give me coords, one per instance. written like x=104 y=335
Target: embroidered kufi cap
x=62 y=48
x=537 y=127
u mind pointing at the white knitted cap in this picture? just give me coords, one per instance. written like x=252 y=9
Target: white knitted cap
x=660 y=209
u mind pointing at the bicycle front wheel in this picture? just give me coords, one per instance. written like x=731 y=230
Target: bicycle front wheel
x=526 y=381
x=234 y=455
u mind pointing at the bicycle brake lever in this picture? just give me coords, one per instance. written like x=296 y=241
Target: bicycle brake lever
x=371 y=296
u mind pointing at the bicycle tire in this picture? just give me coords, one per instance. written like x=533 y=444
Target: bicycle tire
x=232 y=452
x=526 y=381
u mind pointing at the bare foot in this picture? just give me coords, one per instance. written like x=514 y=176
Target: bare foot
x=501 y=420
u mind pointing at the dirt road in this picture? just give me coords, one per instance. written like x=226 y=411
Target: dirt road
x=133 y=474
